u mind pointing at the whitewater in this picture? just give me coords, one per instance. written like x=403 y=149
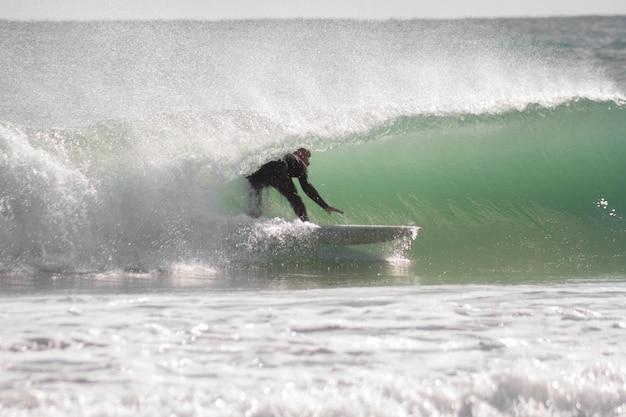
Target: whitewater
x=132 y=281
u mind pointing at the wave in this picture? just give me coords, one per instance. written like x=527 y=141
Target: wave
x=534 y=191
x=537 y=191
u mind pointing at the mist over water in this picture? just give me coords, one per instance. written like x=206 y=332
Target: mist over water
x=296 y=74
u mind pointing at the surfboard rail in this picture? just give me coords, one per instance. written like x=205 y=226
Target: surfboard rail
x=353 y=234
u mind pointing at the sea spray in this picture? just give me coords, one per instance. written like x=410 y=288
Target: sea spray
x=314 y=77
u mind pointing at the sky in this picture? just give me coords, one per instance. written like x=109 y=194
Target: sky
x=354 y=9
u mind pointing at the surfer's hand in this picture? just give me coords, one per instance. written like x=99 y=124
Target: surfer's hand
x=332 y=209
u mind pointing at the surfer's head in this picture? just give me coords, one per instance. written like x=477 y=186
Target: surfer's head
x=304 y=154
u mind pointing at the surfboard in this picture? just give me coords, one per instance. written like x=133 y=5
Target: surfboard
x=351 y=234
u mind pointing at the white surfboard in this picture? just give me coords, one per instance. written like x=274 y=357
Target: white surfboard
x=351 y=234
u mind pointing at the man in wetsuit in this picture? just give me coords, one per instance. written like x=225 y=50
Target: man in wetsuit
x=278 y=174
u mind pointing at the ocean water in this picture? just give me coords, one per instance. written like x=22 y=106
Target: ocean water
x=132 y=282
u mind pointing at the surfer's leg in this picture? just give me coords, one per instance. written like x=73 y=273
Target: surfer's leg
x=255 y=201
x=290 y=192
x=272 y=173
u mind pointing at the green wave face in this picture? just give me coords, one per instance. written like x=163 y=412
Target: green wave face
x=539 y=191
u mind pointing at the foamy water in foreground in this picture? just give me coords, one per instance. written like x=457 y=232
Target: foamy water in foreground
x=133 y=349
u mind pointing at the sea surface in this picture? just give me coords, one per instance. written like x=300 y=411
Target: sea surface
x=132 y=282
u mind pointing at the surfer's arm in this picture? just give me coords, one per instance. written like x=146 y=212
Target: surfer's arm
x=310 y=191
x=330 y=209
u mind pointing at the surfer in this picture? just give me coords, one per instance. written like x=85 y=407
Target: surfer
x=279 y=174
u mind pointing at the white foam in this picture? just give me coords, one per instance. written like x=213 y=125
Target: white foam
x=445 y=350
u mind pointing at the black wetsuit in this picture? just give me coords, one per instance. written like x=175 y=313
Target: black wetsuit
x=278 y=174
